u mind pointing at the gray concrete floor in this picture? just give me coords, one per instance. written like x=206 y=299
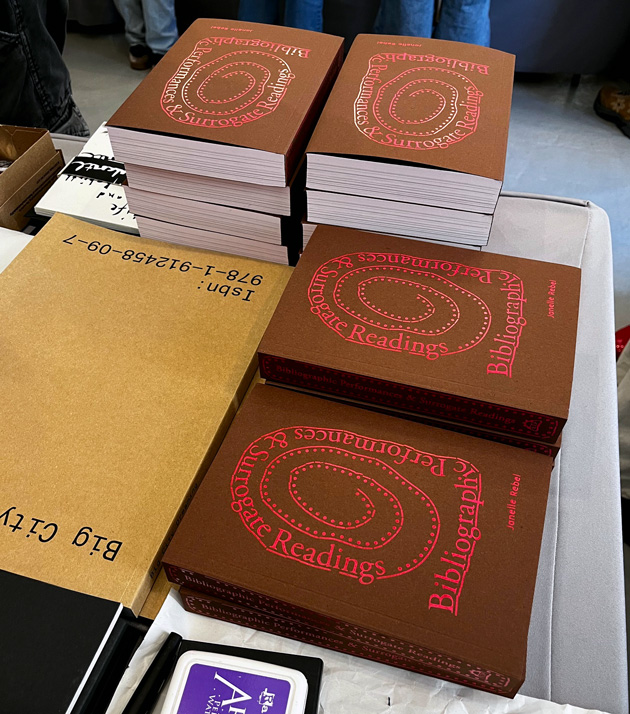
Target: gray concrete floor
x=101 y=76
x=558 y=146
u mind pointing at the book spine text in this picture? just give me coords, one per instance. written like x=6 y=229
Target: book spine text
x=468 y=412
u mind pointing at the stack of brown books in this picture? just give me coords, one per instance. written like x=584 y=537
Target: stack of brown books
x=412 y=140
x=351 y=525
x=368 y=534
x=213 y=139
x=475 y=342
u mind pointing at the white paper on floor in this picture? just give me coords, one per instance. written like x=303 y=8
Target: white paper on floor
x=350 y=685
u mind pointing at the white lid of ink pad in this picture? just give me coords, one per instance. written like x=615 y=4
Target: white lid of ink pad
x=212 y=683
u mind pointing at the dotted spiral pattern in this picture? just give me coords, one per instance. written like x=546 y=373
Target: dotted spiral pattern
x=373 y=505
x=325 y=495
x=423 y=86
x=420 y=103
x=420 y=304
x=228 y=86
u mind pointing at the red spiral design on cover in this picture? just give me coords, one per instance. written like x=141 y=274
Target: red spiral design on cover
x=407 y=105
x=336 y=506
x=234 y=89
x=438 y=303
x=398 y=307
x=368 y=516
x=207 y=90
x=421 y=102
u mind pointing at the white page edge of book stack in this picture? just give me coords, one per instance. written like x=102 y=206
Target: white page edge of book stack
x=195 y=156
x=307 y=232
x=266 y=199
x=349 y=685
x=404 y=219
x=309 y=228
x=402 y=182
x=189 y=213
x=78 y=197
x=211 y=240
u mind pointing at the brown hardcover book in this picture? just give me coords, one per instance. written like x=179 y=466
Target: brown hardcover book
x=421 y=101
x=236 y=84
x=123 y=362
x=483 y=340
x=420 y=540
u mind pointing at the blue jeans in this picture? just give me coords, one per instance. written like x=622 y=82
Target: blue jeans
x=303 y=14
x=460 y=20
x=149 y=22
x=34 y=81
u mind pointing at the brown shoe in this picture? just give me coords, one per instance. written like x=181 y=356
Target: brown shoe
x=139 y=57
x=613 y=104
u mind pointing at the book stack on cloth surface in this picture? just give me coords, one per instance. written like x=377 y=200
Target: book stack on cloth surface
x=123 y=362
x=214 y=137
x=369 y=534
x=92 y=187
x=478 y=342
x=52 y=642
x=412 y=140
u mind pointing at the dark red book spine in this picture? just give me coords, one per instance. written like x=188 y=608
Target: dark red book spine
x=537 y=448
x=468 y=412
x=419 y=659
x=454 y=671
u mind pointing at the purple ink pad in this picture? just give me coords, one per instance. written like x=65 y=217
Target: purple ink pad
x=211 y=683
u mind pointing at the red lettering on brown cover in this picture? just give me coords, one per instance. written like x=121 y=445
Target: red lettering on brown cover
x=337 y=502
x=232 y=90
x=406 y=102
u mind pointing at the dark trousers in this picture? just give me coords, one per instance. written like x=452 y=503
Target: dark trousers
x=34 y=80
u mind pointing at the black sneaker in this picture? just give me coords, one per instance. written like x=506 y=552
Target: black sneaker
x=156 y=57
x=139 y=57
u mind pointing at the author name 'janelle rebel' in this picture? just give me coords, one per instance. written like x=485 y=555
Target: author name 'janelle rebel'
x=360 y=296
x=338 y=503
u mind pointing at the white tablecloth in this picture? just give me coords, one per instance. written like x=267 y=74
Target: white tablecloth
x=577 y=637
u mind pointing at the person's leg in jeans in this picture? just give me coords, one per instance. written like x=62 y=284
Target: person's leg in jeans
x=133 y=17
x=465 y=21
x=160 y=25
x=35 y=82
x=304 y=14
x=460 y=20
x=259 y=11
x=413 y=18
